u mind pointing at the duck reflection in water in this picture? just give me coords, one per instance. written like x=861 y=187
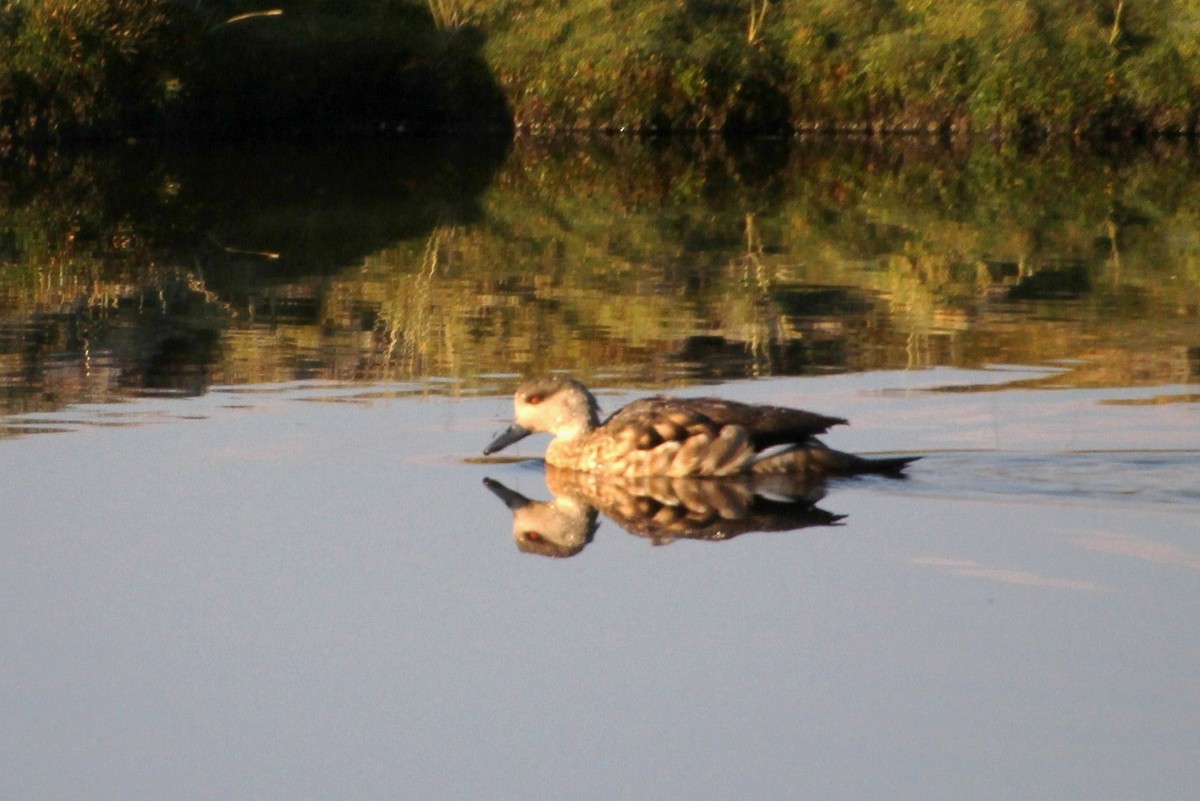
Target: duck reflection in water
x=659 y=508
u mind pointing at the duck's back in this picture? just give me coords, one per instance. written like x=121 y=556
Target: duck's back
x=767 y=426
x=686 y=437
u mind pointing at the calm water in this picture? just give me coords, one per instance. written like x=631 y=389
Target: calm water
x=251 y=549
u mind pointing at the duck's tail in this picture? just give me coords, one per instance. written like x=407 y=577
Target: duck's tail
x=816 y=459
x=886 y=466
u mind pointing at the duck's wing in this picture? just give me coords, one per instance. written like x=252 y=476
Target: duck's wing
x=669 y=437
x=767 y=425
x=651 y=421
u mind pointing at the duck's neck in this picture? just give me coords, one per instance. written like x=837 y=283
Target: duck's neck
x=581 y=421
x=585 y=422
x=577 y=428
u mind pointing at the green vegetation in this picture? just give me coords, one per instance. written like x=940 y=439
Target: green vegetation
x=110 y=69
x=1089 y=69
x=95 y=68
x=1077 y=67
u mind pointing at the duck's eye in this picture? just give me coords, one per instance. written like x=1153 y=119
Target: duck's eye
x=533 y=536
x=534 y=400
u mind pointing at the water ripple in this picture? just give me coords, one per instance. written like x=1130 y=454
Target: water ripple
x=1159 y=477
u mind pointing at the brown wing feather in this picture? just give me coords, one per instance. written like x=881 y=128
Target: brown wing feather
x=767 y=425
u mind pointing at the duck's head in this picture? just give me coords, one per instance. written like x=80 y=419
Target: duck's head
x=555 y=405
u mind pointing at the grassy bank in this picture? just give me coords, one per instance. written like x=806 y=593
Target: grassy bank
x=1089 y=69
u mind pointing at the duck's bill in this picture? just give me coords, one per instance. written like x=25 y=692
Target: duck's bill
x=512 y=499
x=513 y=434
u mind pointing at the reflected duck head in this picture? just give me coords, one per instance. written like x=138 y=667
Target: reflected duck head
x=559 y=528
x=554 y=405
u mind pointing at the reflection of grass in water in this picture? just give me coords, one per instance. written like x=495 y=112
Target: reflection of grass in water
x=662 y=266
x=586 y=263
x=412 y=337
x=1157 y=400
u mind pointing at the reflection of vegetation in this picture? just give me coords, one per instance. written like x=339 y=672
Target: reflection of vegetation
x=117 y=274
x=659 y=262
x=862 y=259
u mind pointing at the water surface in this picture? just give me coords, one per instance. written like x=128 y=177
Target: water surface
x=308 y=592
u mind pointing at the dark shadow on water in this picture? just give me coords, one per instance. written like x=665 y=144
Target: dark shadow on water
x=276 y=214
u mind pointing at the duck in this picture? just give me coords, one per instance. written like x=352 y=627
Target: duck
x=679 y=437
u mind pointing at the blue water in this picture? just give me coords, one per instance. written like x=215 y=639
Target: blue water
x=305 y=591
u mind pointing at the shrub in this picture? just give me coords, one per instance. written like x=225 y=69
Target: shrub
x=84 y=67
